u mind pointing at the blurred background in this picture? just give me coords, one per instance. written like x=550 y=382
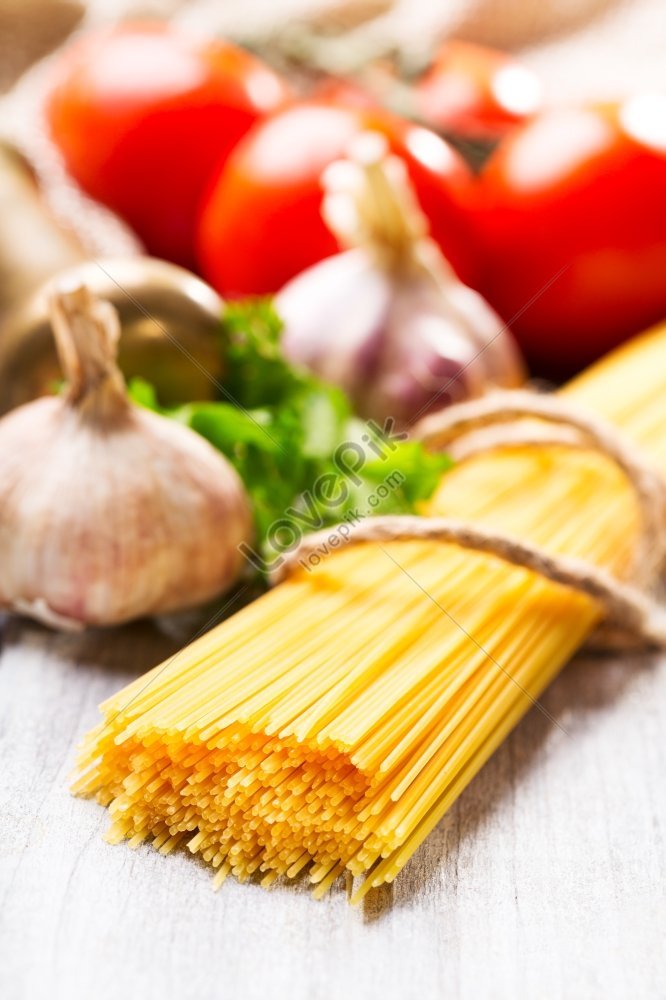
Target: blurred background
x=581 y=48
x=390 y=53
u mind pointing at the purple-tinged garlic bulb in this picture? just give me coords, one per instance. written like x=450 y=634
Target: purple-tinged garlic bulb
x=387 y=319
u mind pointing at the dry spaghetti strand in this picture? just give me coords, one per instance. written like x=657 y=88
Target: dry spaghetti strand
x=328 y=726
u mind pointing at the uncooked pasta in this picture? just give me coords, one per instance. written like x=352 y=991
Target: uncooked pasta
x=327 y=727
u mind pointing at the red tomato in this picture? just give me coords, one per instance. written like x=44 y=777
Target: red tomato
x=143 y=114
x=476 y=91
x=573 y=223
x=261 y=224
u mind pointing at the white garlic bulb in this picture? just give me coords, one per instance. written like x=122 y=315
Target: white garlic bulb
x=109 y=512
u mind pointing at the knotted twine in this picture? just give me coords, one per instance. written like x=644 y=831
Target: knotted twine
x=631 y=615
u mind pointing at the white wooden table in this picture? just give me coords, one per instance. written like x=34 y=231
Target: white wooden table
x=545 y=880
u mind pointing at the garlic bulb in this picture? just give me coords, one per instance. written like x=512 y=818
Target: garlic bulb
x=109 y=512
x=165 y=312
x=387 y=319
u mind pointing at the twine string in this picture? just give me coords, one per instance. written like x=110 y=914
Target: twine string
x=632 y=617
x=479 y=425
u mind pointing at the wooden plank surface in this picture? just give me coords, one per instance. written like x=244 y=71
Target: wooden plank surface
x=545 y=880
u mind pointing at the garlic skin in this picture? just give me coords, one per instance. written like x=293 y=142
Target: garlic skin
x=110 y=512
x=388 y=320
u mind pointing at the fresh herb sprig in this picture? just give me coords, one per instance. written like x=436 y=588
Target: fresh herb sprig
x=281 y=427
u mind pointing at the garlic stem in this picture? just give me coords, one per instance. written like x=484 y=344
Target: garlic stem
x=87 y=330
x=376 y=195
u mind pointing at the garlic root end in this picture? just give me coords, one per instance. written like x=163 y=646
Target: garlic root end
x=40 y=611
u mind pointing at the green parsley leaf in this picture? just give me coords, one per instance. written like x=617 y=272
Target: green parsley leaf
x=280 y=427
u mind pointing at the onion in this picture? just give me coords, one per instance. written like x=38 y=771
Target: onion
x=387 y=319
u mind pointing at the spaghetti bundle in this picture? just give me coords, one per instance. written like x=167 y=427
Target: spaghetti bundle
x=328 y=726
